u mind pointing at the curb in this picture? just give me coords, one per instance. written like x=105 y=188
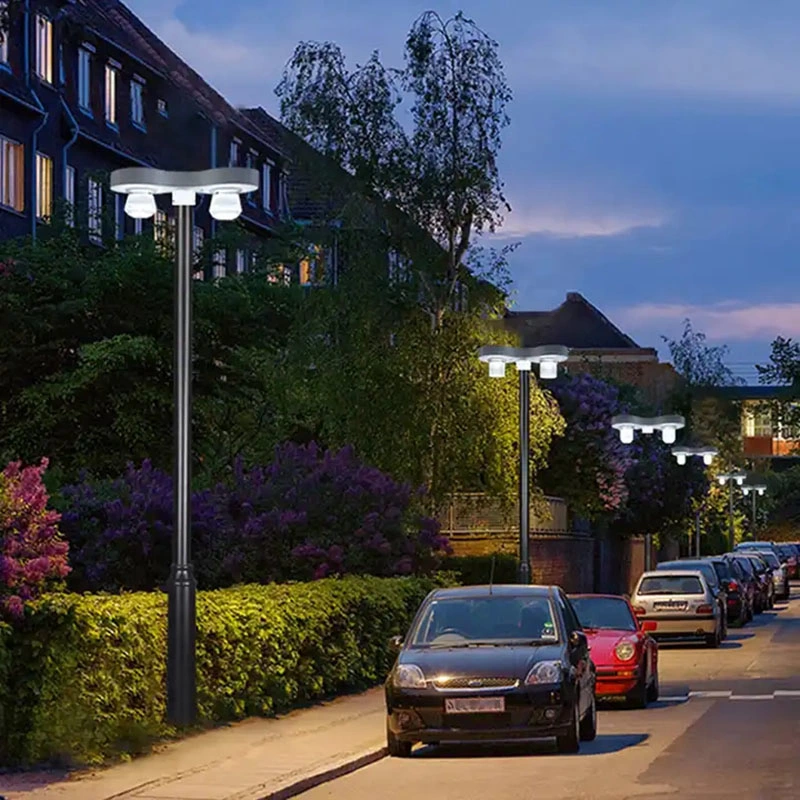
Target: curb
x=339 y=771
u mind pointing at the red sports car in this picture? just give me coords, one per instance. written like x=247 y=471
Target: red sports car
x=625 y=656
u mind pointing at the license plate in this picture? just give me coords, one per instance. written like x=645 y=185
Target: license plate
x=474 y=705
x=670 y=605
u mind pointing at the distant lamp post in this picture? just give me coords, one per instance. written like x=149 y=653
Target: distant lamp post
x=738 y=477
x=753 y=489
x=141 y=185
x=548 y=357
x=627 y=425
x=707 y=454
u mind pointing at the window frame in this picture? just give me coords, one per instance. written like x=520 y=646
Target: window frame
x=137 y=85
x=44 y=59
x=85 y=55
x=15 y=187
x=266 y=185
x=234 y=152
x=70 y=178
x=94 y=209
x=4 y=37
x=111 y=83
x=44 y=187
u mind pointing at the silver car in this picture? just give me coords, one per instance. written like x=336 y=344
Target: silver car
x=780 y=575
x=678 y=603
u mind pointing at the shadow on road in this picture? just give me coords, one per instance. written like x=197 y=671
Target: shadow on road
x=728 y=645
x=604 y=744
x=738 y=637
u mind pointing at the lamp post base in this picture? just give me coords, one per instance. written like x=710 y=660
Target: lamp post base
x=181 y=639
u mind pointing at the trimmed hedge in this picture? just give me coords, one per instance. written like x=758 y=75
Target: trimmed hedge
x=476 y=570
x=88 y=683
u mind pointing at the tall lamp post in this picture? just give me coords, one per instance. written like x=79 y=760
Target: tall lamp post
x=754 y=488
x=627 y=425
x=707 y=454
x=141 y=185
x=738 y=476
x=548 y=358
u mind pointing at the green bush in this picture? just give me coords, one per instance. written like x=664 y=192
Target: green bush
x=477 y=570
x=89 y=676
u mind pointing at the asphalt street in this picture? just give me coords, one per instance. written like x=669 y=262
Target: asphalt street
x=728 y=725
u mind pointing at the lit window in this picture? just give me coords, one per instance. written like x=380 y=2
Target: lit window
x=197 y=241
x=161 y=228
x=111 y=94
x=137 y=102
x=278 y=273
x=266 y=186
x=3 y=37
x=44 y=48
x=241 y=261
x=162 y=108
x=312 y=268
x=233 y=160
x=218 y=264
x=95 y=207
x=12 y=174
x=44 y=186
x=758 y=422
x=69 y=195
x=84 y=79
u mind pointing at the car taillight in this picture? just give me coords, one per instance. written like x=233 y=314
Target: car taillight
x=733 y=586
x=705 y=610
x=639 y=611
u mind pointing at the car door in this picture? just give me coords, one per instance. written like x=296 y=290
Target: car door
x=584 y=667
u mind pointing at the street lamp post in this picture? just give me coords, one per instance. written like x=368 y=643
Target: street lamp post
x=707 y=454
x=754 y=488
x=729 y=478
x=627 y=425
x=141 y=185
x=548 y=358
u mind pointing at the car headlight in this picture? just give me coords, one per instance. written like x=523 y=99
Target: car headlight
x=409 y=676
x=545 y=672
x=625 y=651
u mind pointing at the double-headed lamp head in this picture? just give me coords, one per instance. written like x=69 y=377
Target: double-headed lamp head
x=140 y=204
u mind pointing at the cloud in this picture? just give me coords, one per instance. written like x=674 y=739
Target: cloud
x=731 y=320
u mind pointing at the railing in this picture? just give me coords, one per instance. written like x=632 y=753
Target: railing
x=469 y=514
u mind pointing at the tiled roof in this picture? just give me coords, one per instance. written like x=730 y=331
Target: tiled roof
x=576 y=323
x=115 y=21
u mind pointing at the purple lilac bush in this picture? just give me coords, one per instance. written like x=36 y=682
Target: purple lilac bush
x=33 y=555
x=307 y=515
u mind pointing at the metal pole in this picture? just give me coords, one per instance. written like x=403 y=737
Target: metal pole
x=730 y=513
x=648 y=552
x=754 y=514
x=182 y=588
x=697 y=532
x=524 y=479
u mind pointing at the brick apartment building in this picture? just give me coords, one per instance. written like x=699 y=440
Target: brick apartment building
x=596 y=345
x=86 y=88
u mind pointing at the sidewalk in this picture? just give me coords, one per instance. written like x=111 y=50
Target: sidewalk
x=257 y=759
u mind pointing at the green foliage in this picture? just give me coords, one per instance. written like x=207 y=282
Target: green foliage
x=781 y=505
x=783 y=369
x=476 y=570
x=89 y=670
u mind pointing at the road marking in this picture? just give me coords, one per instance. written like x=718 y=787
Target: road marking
x=729 y=695
x=678 y=698
x=752 y=697
x=710 y=694
x=787 y=693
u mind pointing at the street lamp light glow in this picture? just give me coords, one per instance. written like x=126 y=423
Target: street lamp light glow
x=548 y=369
x=626 y=434
x=225 y=205
x=497 y=368
x=668 y=435
x=708 y=459
x=140 y=205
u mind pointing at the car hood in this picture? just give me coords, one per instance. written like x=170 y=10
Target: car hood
x=514 y=661
x=604 y=641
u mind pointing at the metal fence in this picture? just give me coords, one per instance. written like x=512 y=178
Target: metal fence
x=474 y=514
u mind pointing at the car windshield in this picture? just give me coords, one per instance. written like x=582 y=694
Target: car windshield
x=723 y=569
x=670 y=584
x=745 y=565
x=784 y=551
x=759 y=565
x=493 y=620
x=770 y=558
x=609 y=613
x=700 y=566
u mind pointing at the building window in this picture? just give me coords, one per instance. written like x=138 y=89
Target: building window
x=758 y=422
x=312 y=268
x=111 y=94
x=233 y=159
x=283 y=200
x=138 y=226
x=162 y=108
x=119 y=216
x=241 y=261
x=3 y=36
x=137 y=102
x=161 y=228
x=84 y=79
x=250 y=162
x=266 y=186
x=44 y=48
x=197 y=241
x=69 y=195
x=12 y=174
x=44 y=186
x=218 y=264
x=278 y=273
x=95 y=206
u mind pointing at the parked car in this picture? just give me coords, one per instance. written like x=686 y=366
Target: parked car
x=735 y=589
x=766 y=586
x=492 y=663
x=788 y=556
x=718 y=590
x=678 y=603
x=625 y=656
x=780 y=575
x=743 y=568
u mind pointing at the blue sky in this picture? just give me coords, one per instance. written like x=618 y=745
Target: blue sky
x=653 y=157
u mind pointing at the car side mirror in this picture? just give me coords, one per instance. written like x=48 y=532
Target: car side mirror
x=395 y=643
x=726 y=583
x=578 y=640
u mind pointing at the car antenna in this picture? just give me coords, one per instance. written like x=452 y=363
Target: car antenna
x=491 y=574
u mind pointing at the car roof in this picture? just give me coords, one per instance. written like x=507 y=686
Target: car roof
x=502 y=589
x=695 y=573
x=599 y=595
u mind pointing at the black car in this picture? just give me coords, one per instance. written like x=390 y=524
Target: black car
x=751 y=580
x=489 y=663
x=729 y=576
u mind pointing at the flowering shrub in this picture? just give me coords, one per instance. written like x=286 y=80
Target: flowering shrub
x=307 y=515
x=33 y=555
x=587 y=466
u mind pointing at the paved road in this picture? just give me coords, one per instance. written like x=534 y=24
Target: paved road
x=728 y=727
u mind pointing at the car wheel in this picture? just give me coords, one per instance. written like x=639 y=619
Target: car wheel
x=588 y=726
x=570 y=742
x=713 y=639
x=653 y=690
x=638 y=697
x=396 y=747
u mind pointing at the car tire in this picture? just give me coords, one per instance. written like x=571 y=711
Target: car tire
x=396 y=747
x=588 y=726
x=653 y=689
x=638 y=697
x=570 y=742
x=713 y=639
